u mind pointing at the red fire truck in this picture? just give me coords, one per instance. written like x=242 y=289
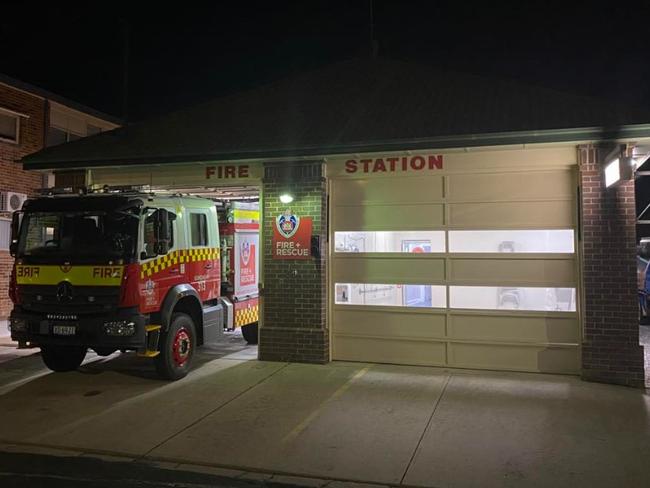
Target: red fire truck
x=126 y=270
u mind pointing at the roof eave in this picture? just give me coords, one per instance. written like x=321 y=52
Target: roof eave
x=584 y=134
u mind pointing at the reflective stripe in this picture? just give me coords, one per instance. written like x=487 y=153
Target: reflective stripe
x=242 y=216
x=76 y=275
x=178 y=256
x=245 y=316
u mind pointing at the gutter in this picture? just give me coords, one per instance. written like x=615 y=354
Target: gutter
x=585 y=134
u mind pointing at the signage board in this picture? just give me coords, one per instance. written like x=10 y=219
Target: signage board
x=247 y=255
x=292 y=236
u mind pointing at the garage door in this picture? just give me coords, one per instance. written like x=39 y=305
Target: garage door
x=471 y=263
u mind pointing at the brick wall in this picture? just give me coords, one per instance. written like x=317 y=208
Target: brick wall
x=13 y=178
x=294 y=298
x=610 y=349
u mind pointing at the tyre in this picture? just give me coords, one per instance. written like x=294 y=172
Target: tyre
x=104 y=351
x=176 y=347
x=63 y=358
x=250 y=333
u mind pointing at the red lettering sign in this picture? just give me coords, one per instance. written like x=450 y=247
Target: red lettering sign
x=395 y=164
x=227 y=171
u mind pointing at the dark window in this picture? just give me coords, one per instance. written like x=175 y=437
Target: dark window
x=78 y=235
x=149 y=234
x=9 y=127
x=56 y=136
x=199 y=225
x=5 y=234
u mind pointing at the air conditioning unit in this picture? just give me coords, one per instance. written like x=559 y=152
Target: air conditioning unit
x=11 y=201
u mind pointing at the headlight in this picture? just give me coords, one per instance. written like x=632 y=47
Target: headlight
x=119 y=328
x=17 y=324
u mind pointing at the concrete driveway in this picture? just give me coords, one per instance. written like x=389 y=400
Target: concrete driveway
x=381 y=424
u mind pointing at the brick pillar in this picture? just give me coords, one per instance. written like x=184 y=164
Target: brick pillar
x=610 y=347
x=294 y=298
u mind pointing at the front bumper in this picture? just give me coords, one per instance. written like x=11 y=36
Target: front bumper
x=38 y=329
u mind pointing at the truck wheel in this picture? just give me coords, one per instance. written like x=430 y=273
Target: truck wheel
x=176 y=346
x=104 y=351
x=63 y=358
x=250 y=333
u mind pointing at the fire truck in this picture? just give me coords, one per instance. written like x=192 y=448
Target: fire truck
x=120 y=269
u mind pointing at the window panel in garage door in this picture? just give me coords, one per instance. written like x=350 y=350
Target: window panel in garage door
x=507 y=271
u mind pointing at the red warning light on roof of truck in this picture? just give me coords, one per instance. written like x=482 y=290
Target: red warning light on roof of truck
x=394 y=164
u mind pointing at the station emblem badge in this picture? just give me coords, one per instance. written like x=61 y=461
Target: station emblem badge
x=149 y=287
x=245 y=252
x=65 y=267
x=287 y=223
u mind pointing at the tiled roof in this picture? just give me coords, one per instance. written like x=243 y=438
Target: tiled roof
x=349 y=106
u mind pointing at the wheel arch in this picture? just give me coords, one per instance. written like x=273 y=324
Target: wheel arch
x=183 y=299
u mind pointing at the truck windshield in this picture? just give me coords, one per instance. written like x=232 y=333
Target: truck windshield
x=78 y=236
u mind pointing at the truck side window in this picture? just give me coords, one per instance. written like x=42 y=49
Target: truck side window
x=199 y=228
x=149 y=236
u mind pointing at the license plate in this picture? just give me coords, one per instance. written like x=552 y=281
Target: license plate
x=64 y=330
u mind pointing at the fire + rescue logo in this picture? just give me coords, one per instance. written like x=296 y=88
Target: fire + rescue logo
x=65 y=267
x=149 y=287
x=245 y=252
x=64 y=291
x=287 y=223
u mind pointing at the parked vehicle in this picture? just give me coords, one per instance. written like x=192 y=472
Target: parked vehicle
x=120 y=270
x=643 y=280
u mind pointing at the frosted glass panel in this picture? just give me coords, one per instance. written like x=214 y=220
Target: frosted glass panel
x=427 y=296
x=512 y=298
x=390 y=241
x=560 y=240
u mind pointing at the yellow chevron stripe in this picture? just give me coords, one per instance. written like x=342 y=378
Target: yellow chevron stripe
x=178 y=256
x=246 y=316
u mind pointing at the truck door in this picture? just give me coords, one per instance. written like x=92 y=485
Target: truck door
x=158 y=273
x=203 y=269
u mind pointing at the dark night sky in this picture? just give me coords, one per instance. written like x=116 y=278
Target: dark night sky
x=185 y=54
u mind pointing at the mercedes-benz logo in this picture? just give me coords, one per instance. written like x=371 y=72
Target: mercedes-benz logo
x=64 y=291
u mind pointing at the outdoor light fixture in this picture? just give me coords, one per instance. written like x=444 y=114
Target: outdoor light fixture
x=286 y=198
x=618 y=171
x=612 y=173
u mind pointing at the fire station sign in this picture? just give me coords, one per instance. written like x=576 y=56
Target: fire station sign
x=292 y=236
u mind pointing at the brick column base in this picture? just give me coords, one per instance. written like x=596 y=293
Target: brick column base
x=619 y=364
x=290 y=344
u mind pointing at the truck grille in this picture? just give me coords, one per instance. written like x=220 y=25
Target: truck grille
x=84 y=299
x=62 y=316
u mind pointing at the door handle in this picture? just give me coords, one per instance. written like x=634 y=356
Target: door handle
x=174 y=270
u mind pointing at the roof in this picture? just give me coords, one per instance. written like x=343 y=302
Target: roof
x=351 y=106
x=41 y=93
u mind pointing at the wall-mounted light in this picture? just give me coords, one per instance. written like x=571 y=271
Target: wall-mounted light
x=286 y=198
x=619 y=170
x=612 y=173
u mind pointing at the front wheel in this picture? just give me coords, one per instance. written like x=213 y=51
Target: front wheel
x=176 y=346
x=63 y=358
x=250 y=333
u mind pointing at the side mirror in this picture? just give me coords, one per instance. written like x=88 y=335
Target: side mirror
x=162 y=231
x=15 y=230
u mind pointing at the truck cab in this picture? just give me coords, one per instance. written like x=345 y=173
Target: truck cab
x=117 y=271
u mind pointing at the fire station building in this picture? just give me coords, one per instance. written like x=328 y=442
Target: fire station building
x=456 y=221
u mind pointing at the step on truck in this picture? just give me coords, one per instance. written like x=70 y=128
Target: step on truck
x=125 y=271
